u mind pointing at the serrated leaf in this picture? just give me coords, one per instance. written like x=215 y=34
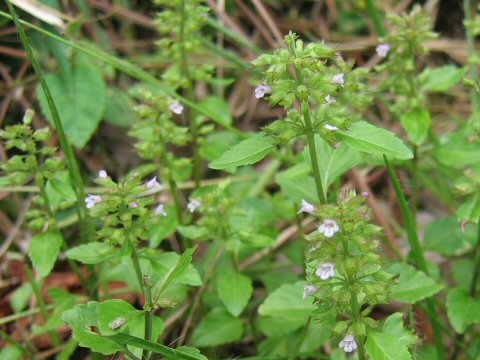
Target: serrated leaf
x=218 y=108
x=43 y=251
x=178 y=270
x=446 y=236
x=91 y=253
x=246 y=152
x=462 y=309
x=111 y=310
x=365 y=137
x=166 y=261
x=441 y=78
x=234 y=290
x=393 y=325
x=287 y=301
x=413 y=285
x=416 y=123
x=332 y=162
x=217 y=328
x=80 y=100
x=381 y=346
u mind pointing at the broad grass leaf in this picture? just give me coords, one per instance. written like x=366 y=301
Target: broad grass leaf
x=246 y=152
x=234 y=289
x=80 y=99
x=414 y=285
x=462 y=309
x=365 y=137
x=43 y=251
x=217 y=328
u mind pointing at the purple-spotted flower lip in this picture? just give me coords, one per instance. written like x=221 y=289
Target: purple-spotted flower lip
x=176 y=108
x=383 y=49
x=262 y=90
x=91 y=200
x=326 y=271
x=329 y=227
x=193 y=205
x=160 y=211
x=348 y=344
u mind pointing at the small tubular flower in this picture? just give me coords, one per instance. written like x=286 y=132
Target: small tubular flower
x=193 y=205
x=348 y=344
x=330 y=127
x=176 y=108
x=338 y=79
x=330 y=100
x=328 y=228
x=160 y=211
x=309 y=290
x=261 y=90
x=307 y=207
x=154 y=184
x=91 y=200
x=102 y=174
x=382 y=50
x=326 y=271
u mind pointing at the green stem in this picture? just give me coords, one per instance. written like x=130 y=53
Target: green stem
x=476 y=269
x=73 y=168
x=197 y=161
x=376 y=18
x=41 y=303
x=295 y=353
x=473 y=71
x=418 y=255
x=265 y=178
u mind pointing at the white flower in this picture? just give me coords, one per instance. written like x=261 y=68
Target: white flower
x=309 y=290
x=328 y=228
x=330 y=127
x=307 y=207
x=326 y=271
x=383 y=49
x=193 y=205
x=338 y=79
x=348 y=344
x=102 y=174
x=115 y=324
x=91 y=200
x=154 y=184
x=261 y=90
x=159 y=210
x=176 y=108
x=330 y=100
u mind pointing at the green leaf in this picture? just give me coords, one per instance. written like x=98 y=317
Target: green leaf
x=462 y=309
x=44 y=250
x=463 y=273
x=459 y=151
x=332 y=162
x=217 y=328
x=217 y=143
x=118 y=108
x=111 y=310
x=287 y=301
x=413 y=284
x=11 y=352
x=297 y=184
x=382 y=346
x=91 y=253
x=217 y=108
x=416 y=123
x=441 y=78
x=178 y=270
x=470 y=209
x=80 y=100
x=63 y=301
x=246 y=152
x=83 y=319
x=365 y=137
x=234 y=290
x=21 y=295
x=446 y=237
x=182 y=352
x=60 y=190
x=393 y=325
x=165 y=263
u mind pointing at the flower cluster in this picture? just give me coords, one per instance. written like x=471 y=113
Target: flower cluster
x=344 y=270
